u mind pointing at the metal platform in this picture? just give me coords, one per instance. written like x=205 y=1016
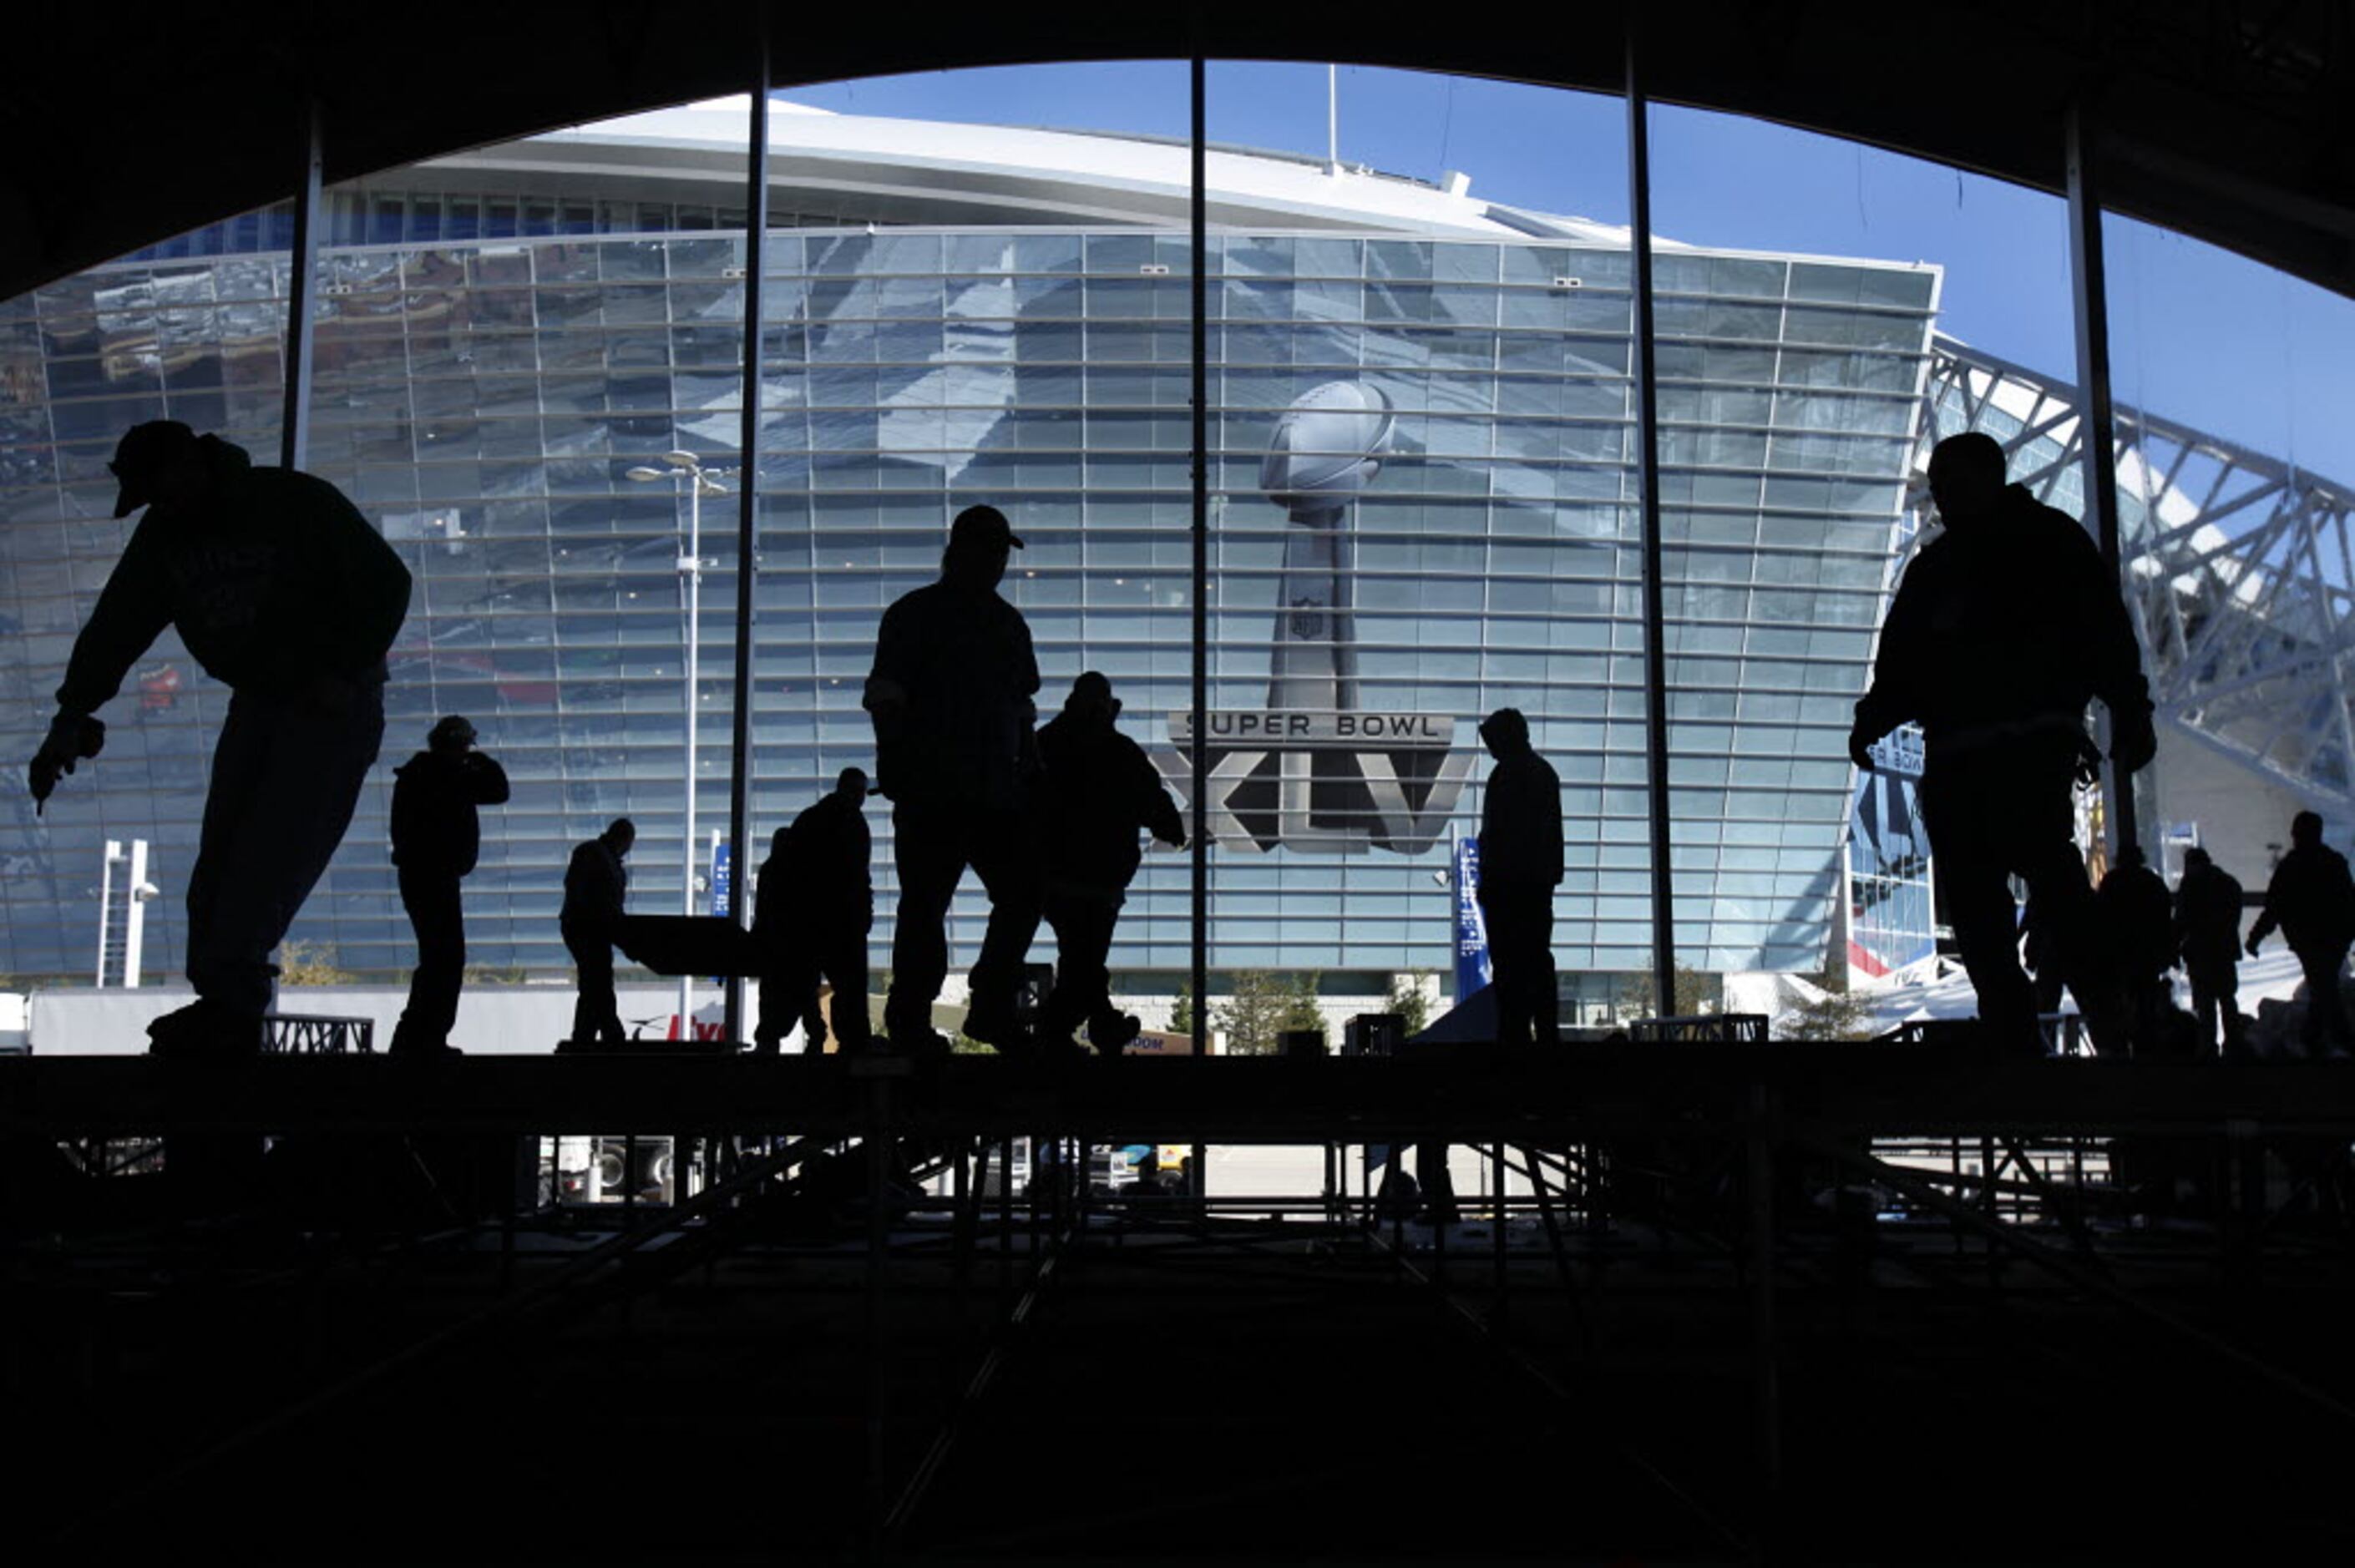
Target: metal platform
x=1470 y=1096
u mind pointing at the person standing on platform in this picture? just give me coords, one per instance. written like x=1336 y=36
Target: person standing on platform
x=817 y=905
x=437 y=834
x=286 y=595
x=2003 y=628
x=952 y=698
x=1520 y=866
x=2311 y=900
x=2207 y=938
x=596 y=884
x=1100 y=790
x=2137 y=920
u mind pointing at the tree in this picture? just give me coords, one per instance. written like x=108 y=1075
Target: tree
x=1181 y=1011
x=1696 y=993
x=1410 y=999
x=1300 y=1010
x=311 y=963
x=1252 y=1015
x=1834 y=1015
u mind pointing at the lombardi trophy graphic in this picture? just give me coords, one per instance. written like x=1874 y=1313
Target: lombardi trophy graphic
x=1315 y=768
x=1327 y=449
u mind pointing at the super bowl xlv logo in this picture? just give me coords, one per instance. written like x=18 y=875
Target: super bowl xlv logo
x=1335 y=781
x=1315 y=767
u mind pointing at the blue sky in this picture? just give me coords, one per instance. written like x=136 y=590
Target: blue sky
x=2198 y=334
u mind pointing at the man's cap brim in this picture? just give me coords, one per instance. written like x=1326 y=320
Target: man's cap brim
x=127 y=500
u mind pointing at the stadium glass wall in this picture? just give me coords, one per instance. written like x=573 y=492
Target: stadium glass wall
x=483 y=400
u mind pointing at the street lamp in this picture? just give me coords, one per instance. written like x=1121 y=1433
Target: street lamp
x=695 y=479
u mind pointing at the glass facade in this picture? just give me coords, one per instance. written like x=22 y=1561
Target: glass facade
x=482 y=402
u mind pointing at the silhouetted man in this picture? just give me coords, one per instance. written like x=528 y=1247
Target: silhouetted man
x=1520 y=866
x=282 y=591
x=436 y=836
x=595 y=884
x=2208 y=936
x=2312 y=900
x=1100 y=790
x=951 y=695
x=817 y=906
x=2003 y=628
x=2138 y=924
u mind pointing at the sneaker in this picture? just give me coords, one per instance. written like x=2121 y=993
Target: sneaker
x=202 y=1032
x=1108 y=1035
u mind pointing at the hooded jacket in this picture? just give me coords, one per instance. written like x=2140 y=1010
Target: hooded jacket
x=435 y=828
x=818 y=874
x=1521 y=822
x=1100 y=790
x=2003 y=625
x=275 y=580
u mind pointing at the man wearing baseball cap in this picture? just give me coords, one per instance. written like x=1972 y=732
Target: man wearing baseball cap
x=437 y=834
x=951 y=695
x=283 y=593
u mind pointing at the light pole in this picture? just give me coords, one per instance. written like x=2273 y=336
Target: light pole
x=686 y=468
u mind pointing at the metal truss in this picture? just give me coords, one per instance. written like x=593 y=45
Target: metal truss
x=2237 y=567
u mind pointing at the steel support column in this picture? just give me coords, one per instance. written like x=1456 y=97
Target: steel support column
x=748 y=506
x=1199 y=743
x=1648 y=468
x=2097 y=434
x=302 y=289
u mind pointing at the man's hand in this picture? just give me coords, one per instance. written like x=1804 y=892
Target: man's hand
x=2251 y=944
x=71 y=737
x=2133 y=741
x=1175 y=841
x=1860 y=749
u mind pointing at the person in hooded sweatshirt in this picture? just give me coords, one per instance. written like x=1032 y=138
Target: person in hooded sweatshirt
x=286 y=595
x=1102 y=791
x=436 y=835
x=2004 y=627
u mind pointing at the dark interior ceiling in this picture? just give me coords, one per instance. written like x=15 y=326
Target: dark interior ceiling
x=2228 y=121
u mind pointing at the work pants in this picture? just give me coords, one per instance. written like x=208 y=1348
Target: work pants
x=1520 y=917
x=2215 y=999
x=286 y=772
x=933 y=845
x=438 y=916
x=596 y=1015
x=791 y=967
x=1082 y=918
x=2001 y=811
x=2326 y=1009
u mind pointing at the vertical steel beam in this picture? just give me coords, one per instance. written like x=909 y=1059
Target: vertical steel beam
x=1647 y=461
x=302 y=289
x=748 y=507
x=1199 y=743
x=2097 y=432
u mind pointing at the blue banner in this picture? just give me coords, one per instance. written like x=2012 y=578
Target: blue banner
x=720 y=880
x=1473 y=971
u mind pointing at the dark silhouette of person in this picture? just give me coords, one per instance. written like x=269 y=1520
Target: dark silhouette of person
x=1099 y=790
x=595 y=885
x=2208 y=939
x=2003 y=628
x=2137 y=919
x=285 y=594
x=952 y=698
x=437 y=834
x=817 y=905
x=2311 y=900
x=1520 y=866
